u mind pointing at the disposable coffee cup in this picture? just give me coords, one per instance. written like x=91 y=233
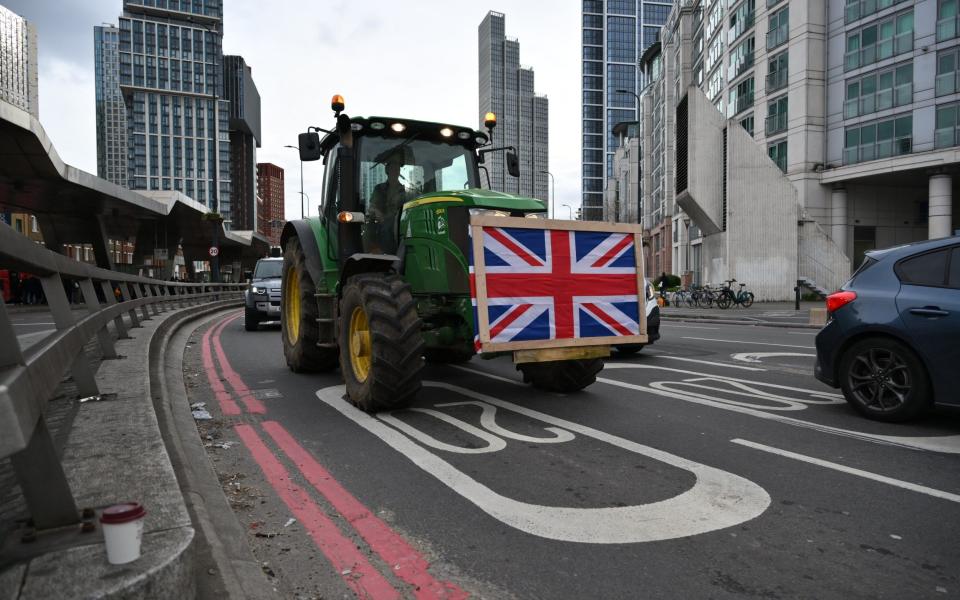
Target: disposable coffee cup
x=123 y=531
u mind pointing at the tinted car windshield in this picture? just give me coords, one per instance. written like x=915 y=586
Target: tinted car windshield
x=267 y=269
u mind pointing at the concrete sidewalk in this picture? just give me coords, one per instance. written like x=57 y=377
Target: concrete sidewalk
x=771 y=314
x=114 y=452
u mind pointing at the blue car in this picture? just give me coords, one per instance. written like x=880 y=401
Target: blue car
x=892 y=342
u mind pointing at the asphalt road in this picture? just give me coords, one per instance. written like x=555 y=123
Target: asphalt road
x=33 y=326
x=711 y=465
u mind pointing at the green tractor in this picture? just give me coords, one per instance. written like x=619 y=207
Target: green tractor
x=379 y=281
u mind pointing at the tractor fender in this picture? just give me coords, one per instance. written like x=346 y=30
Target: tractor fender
x=367 y=263
x=308 y=241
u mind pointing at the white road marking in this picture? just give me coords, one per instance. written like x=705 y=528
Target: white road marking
x=913 y=487
x=490 y=375
x=717 y=500
x=494 y=444
x=670 y=325
x=488 y=418
x=705 y=362
x=803 y=332
x=754 y=357
x=747 y=342
x=745 y=390
x=36 y=324
x=947 y=444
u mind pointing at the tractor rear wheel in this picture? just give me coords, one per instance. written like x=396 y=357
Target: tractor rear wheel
x=381 y=348
x=562 y=375
x=298 y=315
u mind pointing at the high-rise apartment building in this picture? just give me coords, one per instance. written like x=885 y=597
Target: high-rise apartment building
x=170 y=77
x=111 y=109
x=270 y=218
x=783 y=140
x=18 y=62
x=507 y=89
x=615 y=35
x=241 y=92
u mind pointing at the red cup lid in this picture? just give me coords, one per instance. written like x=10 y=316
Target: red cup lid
x=122 y=513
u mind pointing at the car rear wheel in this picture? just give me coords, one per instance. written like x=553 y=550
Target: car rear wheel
x=884 y=380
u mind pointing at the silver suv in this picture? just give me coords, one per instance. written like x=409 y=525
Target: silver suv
x=263 y=295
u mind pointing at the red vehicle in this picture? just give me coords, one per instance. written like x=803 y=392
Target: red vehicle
x=5 y=285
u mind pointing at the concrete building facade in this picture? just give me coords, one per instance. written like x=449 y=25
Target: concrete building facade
x=615 y=34
x=19 y=80
x=170 y=77
x=270 y=218
x=241 y=92
x=805 y=134
x=507 y=89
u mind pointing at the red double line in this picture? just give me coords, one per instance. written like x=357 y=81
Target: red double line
x=358 y=573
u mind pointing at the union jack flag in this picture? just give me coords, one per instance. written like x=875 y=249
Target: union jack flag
x=552 y=284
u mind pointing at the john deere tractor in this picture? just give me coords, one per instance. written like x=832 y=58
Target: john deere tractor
x=379 y=281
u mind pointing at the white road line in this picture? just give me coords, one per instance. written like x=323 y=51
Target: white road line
x=746 y=342
x=913 y=487
x=754 y=357
x=490 y=375
x=716 y=500
x=803 y=332
x=37 y=324
x=670 y=325
x=703 y=362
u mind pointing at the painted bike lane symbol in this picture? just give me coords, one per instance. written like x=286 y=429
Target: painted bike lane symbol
x=716 y=500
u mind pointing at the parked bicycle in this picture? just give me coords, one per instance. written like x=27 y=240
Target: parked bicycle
x=727 y=297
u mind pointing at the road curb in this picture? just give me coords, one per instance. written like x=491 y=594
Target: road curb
x=707 y=319
x=225 y=564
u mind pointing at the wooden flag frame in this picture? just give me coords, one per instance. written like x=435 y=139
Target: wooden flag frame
x=478 y=222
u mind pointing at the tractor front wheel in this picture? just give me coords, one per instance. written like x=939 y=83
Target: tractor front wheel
x=562 y=375
x=298 y=315
x=381 y=347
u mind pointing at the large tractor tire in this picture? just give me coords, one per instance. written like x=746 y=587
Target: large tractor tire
x=381 y=348
x=562 y=375
x=298 y=315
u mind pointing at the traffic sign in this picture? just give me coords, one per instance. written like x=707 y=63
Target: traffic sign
x=214 y=251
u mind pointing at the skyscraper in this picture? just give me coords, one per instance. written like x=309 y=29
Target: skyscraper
x=507 y=89
x=170 y=78
x=111 y=110
x=18 y=62
x=615 y=35
x=241 y=92
x=270 y=218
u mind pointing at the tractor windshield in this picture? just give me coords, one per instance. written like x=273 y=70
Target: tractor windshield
x=394 y=171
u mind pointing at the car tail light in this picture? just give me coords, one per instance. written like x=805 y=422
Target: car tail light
x=837 y=300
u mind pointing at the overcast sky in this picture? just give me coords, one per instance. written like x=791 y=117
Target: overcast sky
x=404 y=58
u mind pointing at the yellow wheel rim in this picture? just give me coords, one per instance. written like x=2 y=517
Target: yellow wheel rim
x=360 y=357
x=291 y=305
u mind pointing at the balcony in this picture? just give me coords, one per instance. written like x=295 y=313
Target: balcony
x=946 y=137
x=948 y=28
x=947 y=83
x=882 y=50
x=777 y=80
x=776 y=123
x=877 y=150
x=879 y=100
x=740 y=67
x=777 y=36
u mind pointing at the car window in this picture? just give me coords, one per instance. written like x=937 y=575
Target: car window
x=955 y=269
x=926 y=269
x=267 y=269
x=868 y=262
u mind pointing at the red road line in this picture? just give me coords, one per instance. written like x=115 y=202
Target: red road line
x=405 y=561
x=227 y=405
x=252 y=404
x=361 y=576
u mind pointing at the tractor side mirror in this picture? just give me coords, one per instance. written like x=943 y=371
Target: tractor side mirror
x=513 y=164
x=309 y=144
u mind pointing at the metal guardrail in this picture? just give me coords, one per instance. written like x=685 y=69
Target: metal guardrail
x=28 y=379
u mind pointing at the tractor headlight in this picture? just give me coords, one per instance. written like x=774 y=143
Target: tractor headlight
x=536 y=215
x=489 y=212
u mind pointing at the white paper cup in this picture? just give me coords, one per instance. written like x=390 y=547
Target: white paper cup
x=123 y=531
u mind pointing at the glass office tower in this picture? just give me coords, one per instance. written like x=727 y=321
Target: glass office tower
x=615 y=34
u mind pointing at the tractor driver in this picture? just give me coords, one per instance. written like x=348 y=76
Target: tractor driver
x=385 y=204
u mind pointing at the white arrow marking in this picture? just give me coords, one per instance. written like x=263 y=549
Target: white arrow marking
x=717 y=500
x=754 y=357
x=488 y=418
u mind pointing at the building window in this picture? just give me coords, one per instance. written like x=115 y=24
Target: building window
x=593 y=6
x=741 y=97
x=858 y=9
x=776 y=116
x=715 y=84
x=593 y=37
x=777 y=152
x=946 y=134
x=879 y=91
x=947 y=72
x=621 y=39
x=947 y=25
x=890 y=137
x=747 y=124
x=714 y=52
x=622 y=7
x=741 y=58
x=778 y=28
x=777 y=72
x=879 y=41
x=714 y=19
x=741 y=19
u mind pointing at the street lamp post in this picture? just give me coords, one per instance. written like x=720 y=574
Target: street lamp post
x=302 y=212
x=570 y=208
x=553 y=195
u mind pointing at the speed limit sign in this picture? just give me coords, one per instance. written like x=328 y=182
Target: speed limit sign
x=214 y=251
